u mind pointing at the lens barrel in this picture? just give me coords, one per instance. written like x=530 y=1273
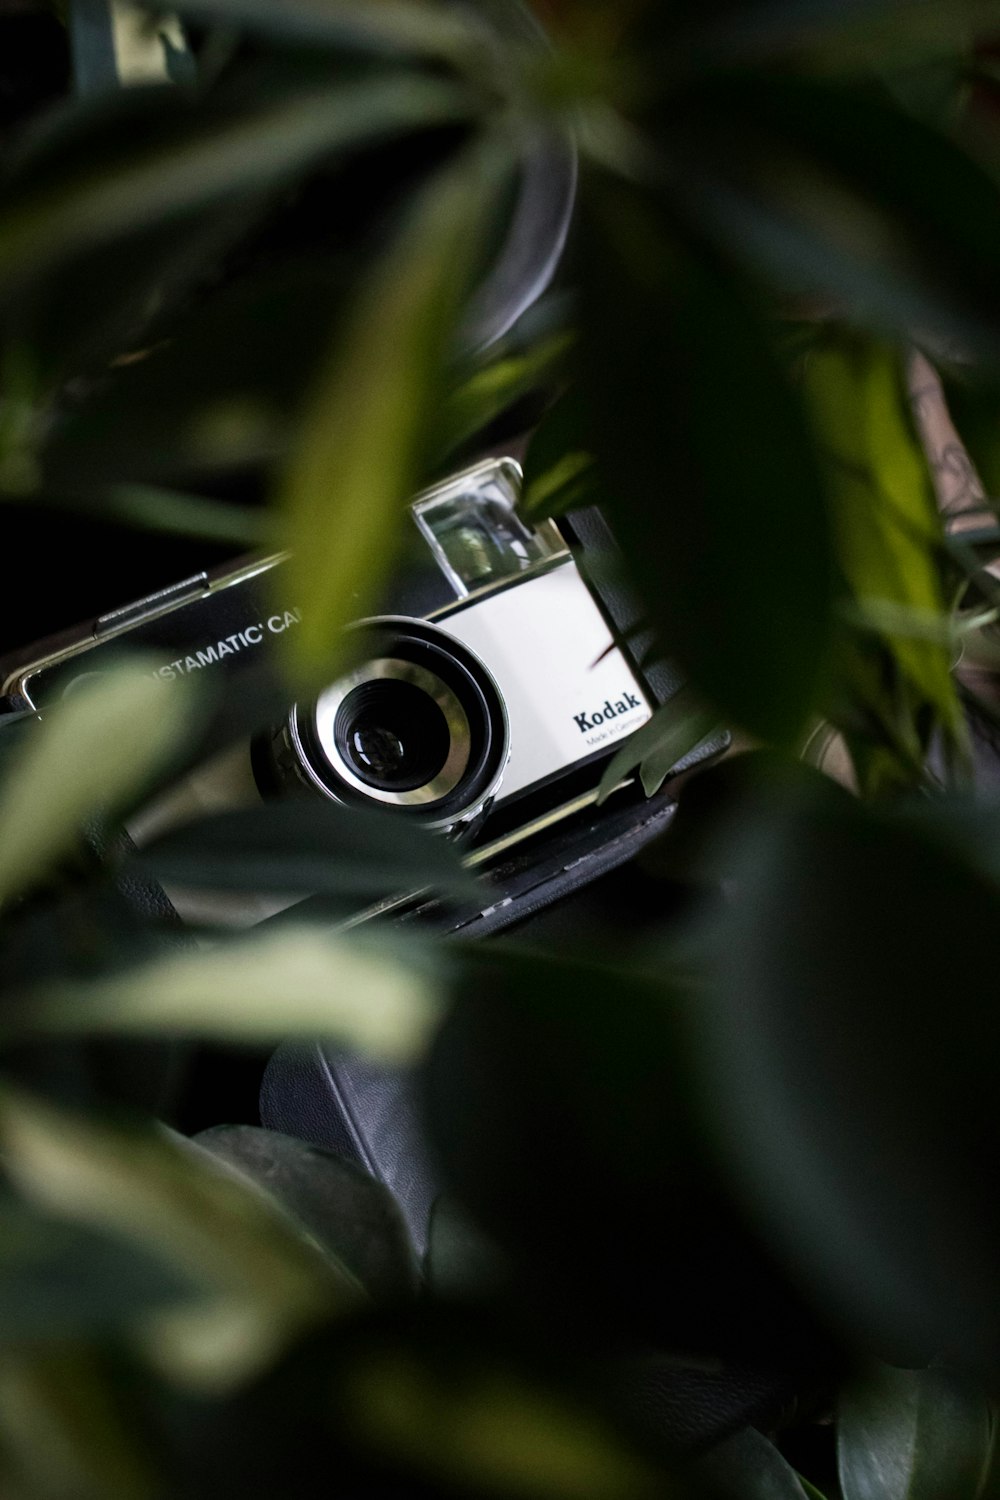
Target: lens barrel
x=419 y=726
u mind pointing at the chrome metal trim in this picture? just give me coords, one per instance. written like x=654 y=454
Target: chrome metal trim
x=140 y=610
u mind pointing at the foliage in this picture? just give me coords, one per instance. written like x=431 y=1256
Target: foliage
x=785 y=1095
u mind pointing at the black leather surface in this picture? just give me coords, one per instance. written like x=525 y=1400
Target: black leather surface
x=365 y=1113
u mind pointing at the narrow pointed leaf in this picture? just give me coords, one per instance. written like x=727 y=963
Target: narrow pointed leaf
x=92 y=754
x=264 y=988
x=253 y=150
x=359 y=454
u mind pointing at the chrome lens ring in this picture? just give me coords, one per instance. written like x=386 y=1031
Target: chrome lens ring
x=443 y=764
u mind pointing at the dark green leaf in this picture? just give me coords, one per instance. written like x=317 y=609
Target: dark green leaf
x=363 y=439
x=850 y=1063
x=783 y=172
x=974 y=404
x=460 y=1261
x=676 y=728
x=342 y=1208
x=220 y=394
x=249 y=150
x=913 y=1435
x=261 y=1281
x=390 y=27
x=68 y=1427
x=559 y=470
x=60 y=1280
x=707 y=468
x=490 y=391
x=846 y=33
x=476 y=1424
x=746 y=1467
x=632 y=1230
x=307 y=846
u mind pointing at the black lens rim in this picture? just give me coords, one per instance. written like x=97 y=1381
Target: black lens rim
x=361 y=700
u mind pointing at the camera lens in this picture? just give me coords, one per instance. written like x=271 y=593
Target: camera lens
x=419 y=725
x=392 y=734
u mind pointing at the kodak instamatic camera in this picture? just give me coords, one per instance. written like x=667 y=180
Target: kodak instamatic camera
x=484 y=701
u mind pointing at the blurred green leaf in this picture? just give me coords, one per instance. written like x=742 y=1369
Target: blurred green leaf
x=94 y=753
x=707 y=468
x=258 y=148
x=676 y=728
x=386 y=26
x=490 y=391
x=363 y=439
x=307 y=847
x=460 y=1260
x=913 y=1435
x=340 y=1206
x=60 y=1281
x=475 y=1424
x=833 y=33
x=974 y=404
x=150 y=508
x=850 y=1064
x=66 y=1429
x=261 y=1280
x=888 y=535
x=220 y=394
x=263 y=988
x=782 y=172
x=603 y=1077
x=559 y=470
x=746 y=1466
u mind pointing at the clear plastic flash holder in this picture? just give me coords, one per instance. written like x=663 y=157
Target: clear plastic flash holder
x=475 y=533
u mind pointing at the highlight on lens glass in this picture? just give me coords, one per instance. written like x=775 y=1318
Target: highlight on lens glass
x=419 y=725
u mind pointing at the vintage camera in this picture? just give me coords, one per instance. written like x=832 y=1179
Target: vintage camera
x=485 y=701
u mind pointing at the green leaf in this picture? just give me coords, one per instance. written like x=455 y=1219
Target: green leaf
x=746 y=1467
x=261 y=1281
x=220 y=393
x=266 y=987
x=888 y=536
x=913 y=1435
x=94 y=753
x=344 y=1209
x=307 y=846
x=460 y=1261
x=850 y=1062
x=244 y=153
x=974 y=404
x=66 y=1427
x=359 y=454
x=149 y=508
x=781 y=171
x=492 y=390
x=707 y=468
x=387 y=27
x=476 y=1425
x=603 y=1077
x=60 y=1280
x=676 y=728
x=559 y=470
x=836 y=33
